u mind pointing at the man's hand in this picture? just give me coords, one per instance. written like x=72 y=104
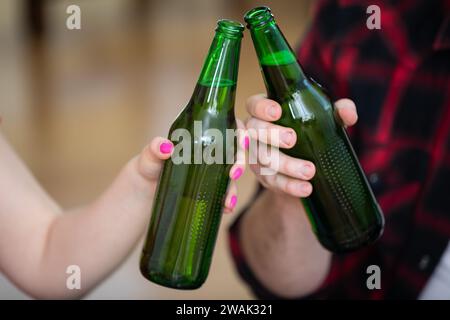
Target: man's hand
x=276 y=238
x=293 y=174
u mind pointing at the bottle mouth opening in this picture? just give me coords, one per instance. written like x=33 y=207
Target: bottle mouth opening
x=230 y=27
x=258 y=16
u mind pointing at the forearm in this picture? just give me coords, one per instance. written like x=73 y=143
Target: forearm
x=99 y=236
x=96 y=238
x=280 y=247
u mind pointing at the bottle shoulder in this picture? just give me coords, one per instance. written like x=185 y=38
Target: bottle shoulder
x=306 y=102
x=193 y=115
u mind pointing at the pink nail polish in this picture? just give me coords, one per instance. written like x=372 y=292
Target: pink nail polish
x=237 y=173
x=246 y=142
x=165 y=147
x=233 y=201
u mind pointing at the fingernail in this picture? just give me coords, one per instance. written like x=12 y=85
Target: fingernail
x=273 y=111
x=287 y=137
x=233 y=201
x=246 y=142
x=165 y=147
x=237 y=173
x=306 y=187
x=306 y=170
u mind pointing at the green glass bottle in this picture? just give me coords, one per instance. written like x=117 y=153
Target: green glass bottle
x=342 y=209
x=190 y=195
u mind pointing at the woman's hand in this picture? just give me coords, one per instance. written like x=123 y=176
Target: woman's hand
x=152 y=157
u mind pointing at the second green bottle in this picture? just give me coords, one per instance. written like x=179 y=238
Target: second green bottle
x=342 y=209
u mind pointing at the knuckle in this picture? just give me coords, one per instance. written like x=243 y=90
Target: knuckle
x=280 y=182
x=291 y=187
x=247 y=121
x=148 y=153
x=259 y=107
x=276 y=164
x=254 y=124
x=286 y=166
x=266 y=133
x=149 y=170
x=249 y=103
x=263 y=159
x=254 y=168
x=271 y=180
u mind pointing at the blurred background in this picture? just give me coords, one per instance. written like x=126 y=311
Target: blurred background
x=78 y=104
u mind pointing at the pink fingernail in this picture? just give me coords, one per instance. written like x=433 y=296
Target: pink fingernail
x=246 y=142
x=237 y=173
x=166 y=147
x=233 y=201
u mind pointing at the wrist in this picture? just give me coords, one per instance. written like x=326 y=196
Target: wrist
x=285 y=207
x=280 y=248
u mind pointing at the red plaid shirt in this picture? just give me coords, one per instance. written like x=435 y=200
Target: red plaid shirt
x=399 y=78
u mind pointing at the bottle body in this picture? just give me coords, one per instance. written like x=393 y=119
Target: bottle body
x=191 y=192
x=342 y=209
x=187 y=213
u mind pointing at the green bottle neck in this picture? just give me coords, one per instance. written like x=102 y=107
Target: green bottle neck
x=216 y=86
x=281 y=71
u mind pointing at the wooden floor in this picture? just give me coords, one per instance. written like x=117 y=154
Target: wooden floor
x=77 y=108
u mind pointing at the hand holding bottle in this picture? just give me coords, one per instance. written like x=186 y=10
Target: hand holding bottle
x=151 y=160
x=293 y=174
x=51 y=238
x=275 y=233
x=340 y=205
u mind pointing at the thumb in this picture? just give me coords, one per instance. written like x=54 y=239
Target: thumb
x=152 y=156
